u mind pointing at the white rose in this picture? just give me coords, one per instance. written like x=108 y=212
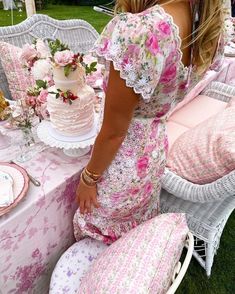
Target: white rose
x=41 y=69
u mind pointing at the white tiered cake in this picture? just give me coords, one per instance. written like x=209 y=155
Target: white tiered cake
x=77 y=117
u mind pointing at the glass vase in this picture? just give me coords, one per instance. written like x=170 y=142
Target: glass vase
x=26 y=143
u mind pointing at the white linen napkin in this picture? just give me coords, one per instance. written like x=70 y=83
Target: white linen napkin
x=6 y=189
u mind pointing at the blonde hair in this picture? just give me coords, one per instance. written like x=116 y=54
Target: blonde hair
x=206 y=35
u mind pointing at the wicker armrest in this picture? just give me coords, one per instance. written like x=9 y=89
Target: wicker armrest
x=215 y=191
x=220 y=91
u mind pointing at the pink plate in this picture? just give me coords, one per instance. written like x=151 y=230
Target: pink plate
x=21 y=184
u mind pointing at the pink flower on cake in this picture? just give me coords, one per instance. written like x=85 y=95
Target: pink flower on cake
x=42 y=49
x=29 y=53
x=152 y=44
x=142 y=165
x=63 y=58
x=164 y=28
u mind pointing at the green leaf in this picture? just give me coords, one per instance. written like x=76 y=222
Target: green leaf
x=93 y=64
x=67 y=70
x=41 y=84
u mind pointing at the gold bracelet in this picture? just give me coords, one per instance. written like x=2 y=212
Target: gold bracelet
x=92 y=175
x=88 y=180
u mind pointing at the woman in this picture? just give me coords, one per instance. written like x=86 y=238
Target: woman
x=150 y=70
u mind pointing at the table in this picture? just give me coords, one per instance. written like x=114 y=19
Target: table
x=39 y=229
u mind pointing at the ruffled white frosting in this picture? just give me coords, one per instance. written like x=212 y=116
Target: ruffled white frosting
x=75 y=119
x=74 y=81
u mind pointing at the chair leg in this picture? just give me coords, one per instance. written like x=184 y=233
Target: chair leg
x=210 y=251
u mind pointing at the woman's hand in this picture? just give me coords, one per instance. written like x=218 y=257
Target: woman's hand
x=86 y=197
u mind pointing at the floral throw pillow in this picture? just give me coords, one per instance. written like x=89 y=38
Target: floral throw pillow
x=206 y=152
x=19 y=79
x=142 y=261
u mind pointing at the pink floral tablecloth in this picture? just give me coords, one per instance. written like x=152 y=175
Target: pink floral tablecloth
x=36 y=232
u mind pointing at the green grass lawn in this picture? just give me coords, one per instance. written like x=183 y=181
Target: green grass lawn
x=96 y=19
x=222 y=280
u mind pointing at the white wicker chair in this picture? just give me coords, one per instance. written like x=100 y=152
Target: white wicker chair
x=207 y=207
x=78 y=34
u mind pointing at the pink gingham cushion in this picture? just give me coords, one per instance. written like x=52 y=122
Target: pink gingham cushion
x=142 y=261
x=19 y=79
x=206 y=152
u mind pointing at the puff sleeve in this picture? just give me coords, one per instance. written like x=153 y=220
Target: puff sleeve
x=139 y=45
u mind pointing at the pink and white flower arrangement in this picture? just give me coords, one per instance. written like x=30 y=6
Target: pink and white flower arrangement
x=37 y=98
x=63 y=57
x=31 y=53
x=20 y=115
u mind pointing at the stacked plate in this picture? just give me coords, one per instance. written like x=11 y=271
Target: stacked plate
x=14 y=183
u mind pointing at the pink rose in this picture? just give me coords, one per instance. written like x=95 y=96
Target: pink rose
x=42 y=98
x=152 y=44
x=63 y=58
x=142 y=165
x=28 y=53
x=169 y=74
x=43 y=51
x=30 y=100
x=164 y=28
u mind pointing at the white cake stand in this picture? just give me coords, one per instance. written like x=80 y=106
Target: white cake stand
x=72 y=146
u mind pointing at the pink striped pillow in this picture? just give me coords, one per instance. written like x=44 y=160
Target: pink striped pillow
x=19 y=79
x=142 y=261
x=206 y=152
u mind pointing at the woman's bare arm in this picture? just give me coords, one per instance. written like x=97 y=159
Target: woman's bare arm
x=119 y=107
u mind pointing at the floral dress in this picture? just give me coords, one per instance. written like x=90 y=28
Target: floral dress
x=145 y=49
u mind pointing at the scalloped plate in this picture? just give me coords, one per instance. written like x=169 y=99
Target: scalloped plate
x=20 y=186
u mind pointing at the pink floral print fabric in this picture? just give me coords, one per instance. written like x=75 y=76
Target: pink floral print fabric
x=140 y=262
x=145 y=49
x=19 y=79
